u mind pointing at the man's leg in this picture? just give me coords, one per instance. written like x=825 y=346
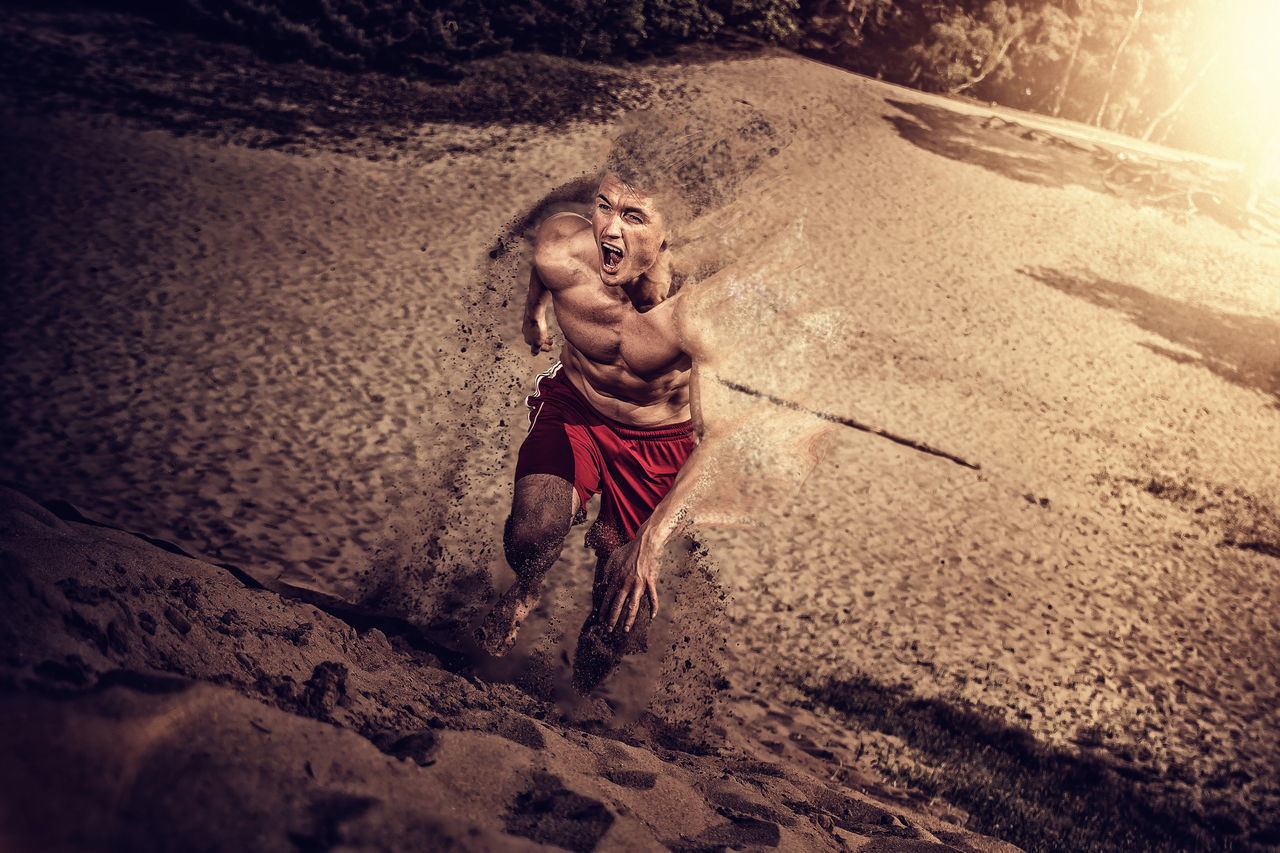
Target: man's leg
x=638 y=475
x=542 y=511
x=601 y=647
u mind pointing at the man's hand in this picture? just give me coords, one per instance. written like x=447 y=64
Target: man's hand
x=630 y=574
x=535 y=334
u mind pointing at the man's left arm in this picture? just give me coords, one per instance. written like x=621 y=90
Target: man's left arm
x=633 y=569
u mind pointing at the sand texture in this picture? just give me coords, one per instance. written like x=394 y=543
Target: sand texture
x=285 y=337
x=210 y=714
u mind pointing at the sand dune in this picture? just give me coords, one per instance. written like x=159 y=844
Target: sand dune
x=299 y=362
x=211 y=713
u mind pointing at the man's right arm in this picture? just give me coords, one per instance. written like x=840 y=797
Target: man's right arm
x=552 y=260
x=535 y=314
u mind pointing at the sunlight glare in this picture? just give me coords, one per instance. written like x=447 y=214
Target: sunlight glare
x=1248 y=34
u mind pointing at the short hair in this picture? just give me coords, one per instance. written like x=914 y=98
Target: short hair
x=696 y=162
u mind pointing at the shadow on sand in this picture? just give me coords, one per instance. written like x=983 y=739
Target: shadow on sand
x=1037 y=796
x=1022 y=153
x=1241 y=349
x=1046 y=159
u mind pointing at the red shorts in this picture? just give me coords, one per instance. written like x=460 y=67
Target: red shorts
x=631 y=468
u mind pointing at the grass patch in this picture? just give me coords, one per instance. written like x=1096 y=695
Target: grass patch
x=1015 y=788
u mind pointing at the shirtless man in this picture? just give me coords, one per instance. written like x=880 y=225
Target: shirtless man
x=612 y=418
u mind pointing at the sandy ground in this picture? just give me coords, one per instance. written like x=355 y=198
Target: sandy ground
x=165 y=704
x=296 y=361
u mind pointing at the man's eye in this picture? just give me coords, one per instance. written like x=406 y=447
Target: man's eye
x=633 y=219
x=602 y=207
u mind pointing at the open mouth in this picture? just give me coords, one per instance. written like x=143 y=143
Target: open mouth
x=612 y=258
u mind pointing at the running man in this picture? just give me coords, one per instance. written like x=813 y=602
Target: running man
x=613 y=418
x=619 y=415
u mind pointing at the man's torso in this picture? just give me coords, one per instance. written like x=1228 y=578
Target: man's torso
x=627 y=361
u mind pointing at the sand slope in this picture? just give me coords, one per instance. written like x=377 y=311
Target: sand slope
x=166 y=705
x=259 y=355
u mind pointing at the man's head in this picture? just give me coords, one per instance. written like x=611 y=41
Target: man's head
x=629 y=231
x=691 y=163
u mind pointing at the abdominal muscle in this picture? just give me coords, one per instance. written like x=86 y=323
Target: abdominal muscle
x=619 y=394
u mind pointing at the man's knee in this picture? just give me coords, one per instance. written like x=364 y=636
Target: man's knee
x=532 y=534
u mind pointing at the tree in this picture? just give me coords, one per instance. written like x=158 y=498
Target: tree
x=1082 y=10
x=1006 y=25
x=841 y=28
x=1185 y=91
x=1115 y=63
x=1049 y=43
x=964 y=48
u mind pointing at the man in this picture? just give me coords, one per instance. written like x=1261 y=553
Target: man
x=612 y=418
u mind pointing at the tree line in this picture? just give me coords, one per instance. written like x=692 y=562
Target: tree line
x=1154 y=69
x=1149 y=68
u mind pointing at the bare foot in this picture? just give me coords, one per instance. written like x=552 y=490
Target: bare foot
x=498 y=632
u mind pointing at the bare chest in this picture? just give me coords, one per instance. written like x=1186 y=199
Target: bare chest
x=612 y=333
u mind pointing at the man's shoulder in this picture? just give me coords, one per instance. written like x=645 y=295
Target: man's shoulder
x=561 y=229
x=686 y=323
x=563 y=243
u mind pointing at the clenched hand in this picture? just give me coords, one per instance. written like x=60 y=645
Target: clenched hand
x=535 y=334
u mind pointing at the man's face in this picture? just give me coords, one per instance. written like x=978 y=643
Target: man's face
x=628 y=231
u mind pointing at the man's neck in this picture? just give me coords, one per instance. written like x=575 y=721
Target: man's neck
x=651 y=288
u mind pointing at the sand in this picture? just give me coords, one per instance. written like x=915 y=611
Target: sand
x=258 y=354
x=179 y=708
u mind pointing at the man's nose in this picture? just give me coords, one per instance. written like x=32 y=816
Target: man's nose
x=613 y=226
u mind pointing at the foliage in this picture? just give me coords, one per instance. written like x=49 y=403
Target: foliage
x=1124 y=65
x=1040 y=60
x=772 y=20
x=1144 y=67
x=424 y=36
x=839 y=26
x=966 y=47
